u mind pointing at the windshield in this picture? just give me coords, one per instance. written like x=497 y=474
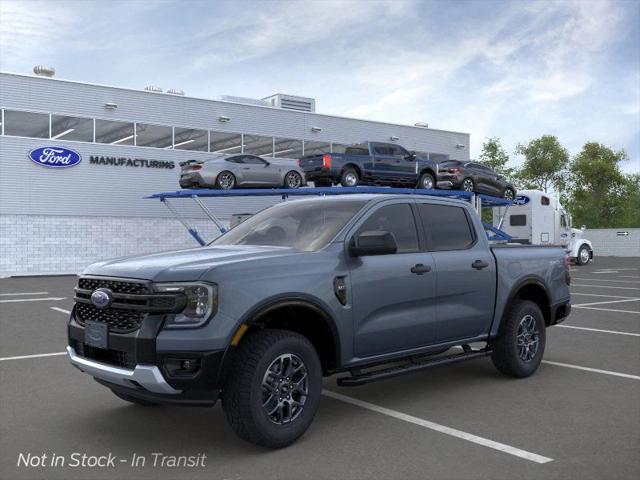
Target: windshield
x=307 y=225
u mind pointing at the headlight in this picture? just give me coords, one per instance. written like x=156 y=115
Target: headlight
x=201 y=303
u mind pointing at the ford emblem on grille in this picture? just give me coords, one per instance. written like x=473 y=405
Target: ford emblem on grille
x=102 y=298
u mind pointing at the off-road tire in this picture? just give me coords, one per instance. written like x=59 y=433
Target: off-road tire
x=137 y=401
x=505 y=356
x=345 y=177
x=242 y=392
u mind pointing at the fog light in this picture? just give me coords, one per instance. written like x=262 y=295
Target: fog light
x=179 y=367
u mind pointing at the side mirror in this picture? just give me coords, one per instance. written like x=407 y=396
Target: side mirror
x=411 y=157
x=373 y=242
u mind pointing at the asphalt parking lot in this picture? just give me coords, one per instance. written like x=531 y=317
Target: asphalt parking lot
x=578 y=417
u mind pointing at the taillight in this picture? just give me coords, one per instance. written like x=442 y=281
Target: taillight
x=326 y=161
x=299 y=163
x=455 y=170
x=196 y=167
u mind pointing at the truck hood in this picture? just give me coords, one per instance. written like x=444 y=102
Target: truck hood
x=183 y=265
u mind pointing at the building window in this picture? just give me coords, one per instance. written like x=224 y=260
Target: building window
x=258 y=145
x=316 y=148
x=287 y=148
x=190 y=139
x=26 y=124
x=226 y=143
x=157 y=136
x=71 y=128
x=115 y=133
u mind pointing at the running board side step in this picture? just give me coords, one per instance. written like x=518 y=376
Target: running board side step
x=359 y=378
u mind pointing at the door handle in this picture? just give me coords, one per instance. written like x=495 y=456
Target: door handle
x=479 y=265
x=246 y=168
x=420 y=269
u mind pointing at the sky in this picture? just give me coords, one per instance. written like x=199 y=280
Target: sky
x=509 y=69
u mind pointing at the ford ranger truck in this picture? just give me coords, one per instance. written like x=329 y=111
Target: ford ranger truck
x=368 y=286
x=371 y=163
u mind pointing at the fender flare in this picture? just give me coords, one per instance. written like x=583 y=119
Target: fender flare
x=519 y=285
x=297 y=300
x=579 y=243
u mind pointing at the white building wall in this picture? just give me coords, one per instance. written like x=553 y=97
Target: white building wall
x=612 y=242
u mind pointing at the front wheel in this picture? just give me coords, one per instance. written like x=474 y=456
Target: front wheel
x=509 y=194
x=293 y=180
x=519 y=348
x=273 y=388
x=584 y=255
x=426 y=181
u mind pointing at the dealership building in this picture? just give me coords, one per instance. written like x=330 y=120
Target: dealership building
x=127 y=144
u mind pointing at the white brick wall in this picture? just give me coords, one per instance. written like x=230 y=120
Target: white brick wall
x=607 y=242
x=40 y=244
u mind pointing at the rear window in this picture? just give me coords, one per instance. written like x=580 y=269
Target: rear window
x=357 y=150
x=446 y=227
x=518 y=220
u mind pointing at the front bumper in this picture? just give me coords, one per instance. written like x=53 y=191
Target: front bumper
x=148 y=377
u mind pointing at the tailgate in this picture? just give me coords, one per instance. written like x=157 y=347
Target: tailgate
x=311 y=162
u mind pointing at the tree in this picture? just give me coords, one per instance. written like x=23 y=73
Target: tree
x=544 y=165
x=495 y=157
x=600 y=196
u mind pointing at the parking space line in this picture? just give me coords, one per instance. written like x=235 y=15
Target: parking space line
x=439 y=428
x=594 y=370
x=603 y=280
x=604 y=286
x=22 y=357
x=606 y=301
x=599 y=330
x=22 y=293
x=598 y=295
x=47 y=299
x=606 y=309
x=61 y=310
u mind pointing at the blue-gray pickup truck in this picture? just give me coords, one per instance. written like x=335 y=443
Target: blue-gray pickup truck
x=369 y=286
x=371 y=163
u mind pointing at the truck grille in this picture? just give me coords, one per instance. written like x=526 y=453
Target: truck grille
x=132 y=301
x=119 y=320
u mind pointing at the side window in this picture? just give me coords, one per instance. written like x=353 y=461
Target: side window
x=398 y=220
x=545 y=200
x=381 y=149
x=398 y=151
x=253 y=160
x=447 y=228
x=517 y=220
x=235 y=159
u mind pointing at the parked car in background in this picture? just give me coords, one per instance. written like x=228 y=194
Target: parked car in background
x=241 y=170
x=371 y=163
x=474 y=177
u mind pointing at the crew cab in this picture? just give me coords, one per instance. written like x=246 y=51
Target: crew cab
x=371 y=163
x=369 y=286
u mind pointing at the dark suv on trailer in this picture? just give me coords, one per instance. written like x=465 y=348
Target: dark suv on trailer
x=474 y=177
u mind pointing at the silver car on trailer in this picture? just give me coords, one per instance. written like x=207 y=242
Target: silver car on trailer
x=241 y=170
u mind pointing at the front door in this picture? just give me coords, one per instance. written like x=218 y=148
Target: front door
x=466 y=272
x=393 y=295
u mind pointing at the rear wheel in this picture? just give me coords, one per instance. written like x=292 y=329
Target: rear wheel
x=426 y=181
x=519 y=348
x=137 y=401
x=509 y=194
x=584 y=255
x=226 y=180
x=293 y=180
x=349 y=178
x=273 y=388
x=468 y=185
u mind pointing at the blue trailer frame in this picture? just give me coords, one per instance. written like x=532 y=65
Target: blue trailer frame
x=479 y=201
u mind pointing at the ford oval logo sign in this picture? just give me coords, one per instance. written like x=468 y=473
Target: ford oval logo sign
x=55 y=157
x=521 y=200
x=102 y=298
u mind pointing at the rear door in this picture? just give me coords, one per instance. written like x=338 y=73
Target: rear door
x=465 y=272
x=384 y=161
x=393 y=306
